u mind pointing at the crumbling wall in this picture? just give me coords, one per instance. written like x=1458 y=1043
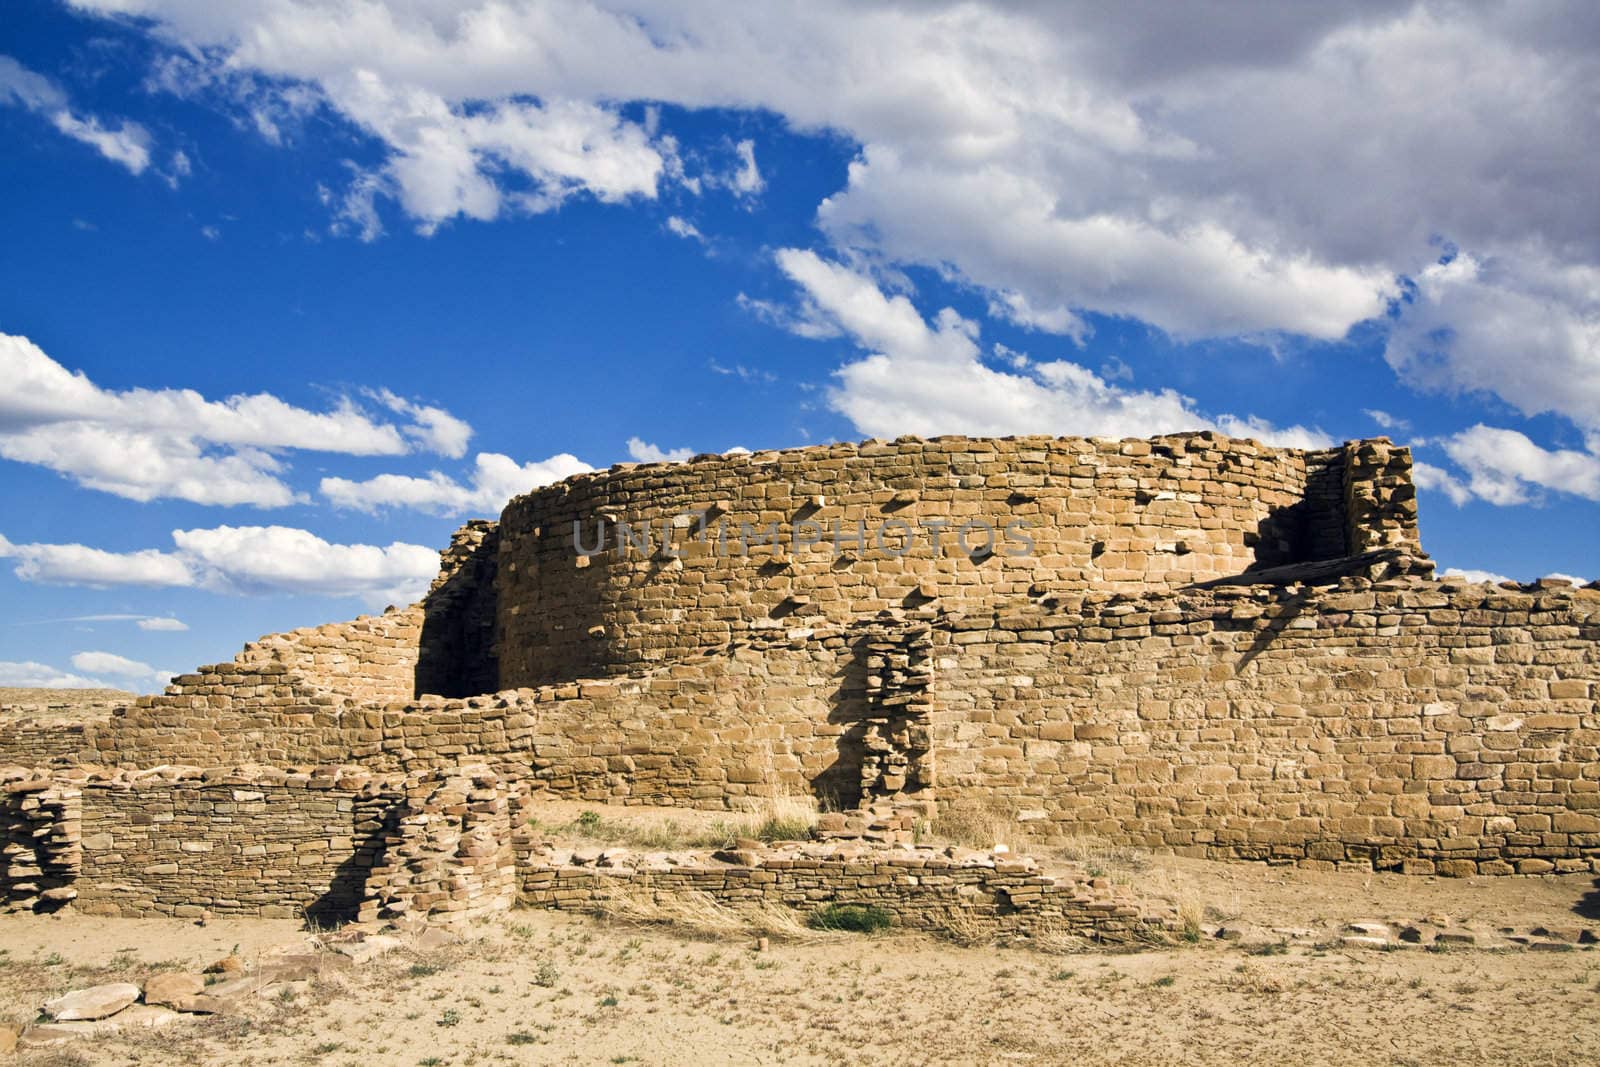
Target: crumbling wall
x=924 y=889
x=1380 y=497
x=1431 y=725
x=40 y=854
x=447 y=851
x=721 y=732
x=1099 y=514
x=372 y=657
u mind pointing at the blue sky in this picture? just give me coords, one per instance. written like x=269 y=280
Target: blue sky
x=286 y=294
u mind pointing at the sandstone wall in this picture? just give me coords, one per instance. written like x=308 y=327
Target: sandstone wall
x=1435 y=725
x=723 y=732
x=372 y=657
x=1100 y=514
x=246 y=842
x=34 y=741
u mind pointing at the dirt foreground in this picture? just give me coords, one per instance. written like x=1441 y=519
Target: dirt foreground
x=549 y=987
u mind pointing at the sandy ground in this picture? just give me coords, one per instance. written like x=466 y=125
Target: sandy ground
x=547 y=987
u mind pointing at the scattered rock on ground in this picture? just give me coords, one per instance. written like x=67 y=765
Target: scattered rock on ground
x=168 y=987
x=96 y=1002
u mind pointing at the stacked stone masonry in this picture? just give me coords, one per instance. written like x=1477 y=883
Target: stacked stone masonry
x=1212 y=647
x=1060 y=514
x=446 y=846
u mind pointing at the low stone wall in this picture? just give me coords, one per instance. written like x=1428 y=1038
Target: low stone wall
x=952 y=890
x=183 y=841
x=446 y=845
x=28 y=742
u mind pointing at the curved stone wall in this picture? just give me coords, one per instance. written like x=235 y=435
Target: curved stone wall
x=587 y=588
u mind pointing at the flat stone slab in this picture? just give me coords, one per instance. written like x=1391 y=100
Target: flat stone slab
x=169 y=987
x=96 y=1002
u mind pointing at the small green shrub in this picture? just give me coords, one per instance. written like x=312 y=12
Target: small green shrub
x=778 y=828
x=857 y=918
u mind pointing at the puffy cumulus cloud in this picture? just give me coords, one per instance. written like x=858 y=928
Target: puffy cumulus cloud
x=1506 y=467
x=495 y=480
x=1521 y=326
x=121 y=668
x=929 y=378
x=433 y=429
x=75 y=564
x=254 y=560
x=1014 y=307
x=29 y=674
x=127 y=144
x=643 y=451
x=163 y=623
x=146 y=444
x=1427 y=476
x=1212 y=170
x=280 y=559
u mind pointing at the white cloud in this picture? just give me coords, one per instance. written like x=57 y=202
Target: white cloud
x=121 y=667
x=1014 y=307
x=75 y=564
x=1212 y=170
x=29 y=674
x=146 y=444
x=1564 y=577
x=1387 y=421
x=1522 y=326
x=242 y=560
x=433 y=429
x=643 y=451
x=495 y=480
x=145 y=622
x=928 y=379
x=684 y=228
x=1505 y=467
x=1469 y=575
x=1427 y=476
x=747 y=180
x=127 y=144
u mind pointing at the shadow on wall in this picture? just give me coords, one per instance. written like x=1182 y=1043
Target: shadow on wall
x=342 y=901
x=838 y=787
x=456 y=657
x=1310 y=529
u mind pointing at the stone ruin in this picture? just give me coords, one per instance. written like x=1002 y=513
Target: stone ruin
x=1189 y=643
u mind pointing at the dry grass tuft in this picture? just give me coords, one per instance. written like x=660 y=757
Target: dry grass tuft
x=699 y=913
x=982 y=826
x=779 y=818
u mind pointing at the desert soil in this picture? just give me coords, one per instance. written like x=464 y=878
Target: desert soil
x=549 y=987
